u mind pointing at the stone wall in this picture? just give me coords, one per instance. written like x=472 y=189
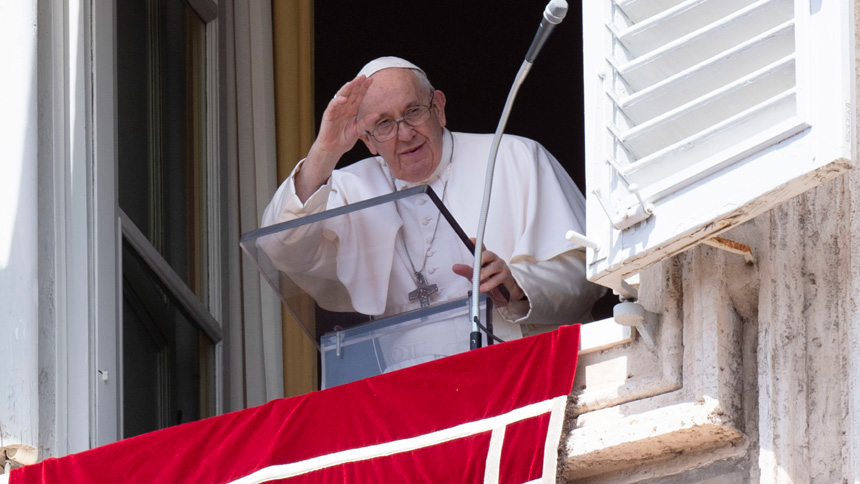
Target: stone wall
x=769 y=359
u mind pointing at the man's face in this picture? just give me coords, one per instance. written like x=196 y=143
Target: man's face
x=415 y=152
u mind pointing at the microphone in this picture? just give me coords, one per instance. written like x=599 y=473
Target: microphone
x=552 y=16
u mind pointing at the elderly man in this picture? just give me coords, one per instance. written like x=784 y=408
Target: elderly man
x=394 y=110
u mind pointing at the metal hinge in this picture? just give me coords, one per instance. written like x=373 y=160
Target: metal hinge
x=15 y=456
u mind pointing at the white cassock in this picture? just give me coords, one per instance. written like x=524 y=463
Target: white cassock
x=534 y=203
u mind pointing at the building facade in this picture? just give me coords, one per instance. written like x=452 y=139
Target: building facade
x=742 y=368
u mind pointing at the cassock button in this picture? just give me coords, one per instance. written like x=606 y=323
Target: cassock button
x=426 y=220
x=430 y=253
x=429 y=240
x=422 y=201
x=431 y=270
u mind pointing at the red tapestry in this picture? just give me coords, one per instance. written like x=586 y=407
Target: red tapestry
x=490 y=415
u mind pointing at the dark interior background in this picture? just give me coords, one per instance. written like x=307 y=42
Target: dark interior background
x=471 y=50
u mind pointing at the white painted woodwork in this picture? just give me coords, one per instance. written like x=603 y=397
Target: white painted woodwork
x=19 y=221
x=106 y=269
x=701 y=114
x=64 y=234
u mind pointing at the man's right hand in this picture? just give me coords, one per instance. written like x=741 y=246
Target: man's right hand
x=339 y=130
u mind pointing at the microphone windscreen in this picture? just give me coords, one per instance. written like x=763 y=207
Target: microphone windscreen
x=555 y=11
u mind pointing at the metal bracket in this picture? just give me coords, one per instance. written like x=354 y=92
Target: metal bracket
x=733 y=247
x=15 y=456
x=339 y=344
x=625 y=219
x=631 y=313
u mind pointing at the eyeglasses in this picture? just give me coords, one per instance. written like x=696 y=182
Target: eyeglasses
x=414 y=116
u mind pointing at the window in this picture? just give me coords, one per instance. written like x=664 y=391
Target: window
x=166 y=198
x=701 y=114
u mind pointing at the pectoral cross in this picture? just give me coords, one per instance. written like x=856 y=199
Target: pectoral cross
x=424 y=290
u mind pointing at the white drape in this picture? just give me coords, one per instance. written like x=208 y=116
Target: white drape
x=255 y=349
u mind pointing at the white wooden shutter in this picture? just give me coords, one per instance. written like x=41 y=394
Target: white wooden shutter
x=701 y=114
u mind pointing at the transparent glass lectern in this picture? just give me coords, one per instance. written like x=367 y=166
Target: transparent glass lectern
x=380 y=274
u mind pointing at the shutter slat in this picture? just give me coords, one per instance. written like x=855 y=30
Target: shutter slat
x=680 y=54
x=639 y=10
x=677 y=22
x=710 y=74
x=718 y=144
x=719 y=160
x=710 y=109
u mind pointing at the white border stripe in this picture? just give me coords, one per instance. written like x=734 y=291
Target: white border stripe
x=553 y=440
x=556 y=406
x=494 y=456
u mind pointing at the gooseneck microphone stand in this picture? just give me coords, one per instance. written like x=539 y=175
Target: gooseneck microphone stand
x=553 y=15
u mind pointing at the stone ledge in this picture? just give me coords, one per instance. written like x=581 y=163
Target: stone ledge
x=645 y=438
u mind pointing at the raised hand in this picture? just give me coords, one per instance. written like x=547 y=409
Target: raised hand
x=339 y=130
x=340 y=127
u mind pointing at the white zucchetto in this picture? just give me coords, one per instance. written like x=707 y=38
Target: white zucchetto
x=389 y=62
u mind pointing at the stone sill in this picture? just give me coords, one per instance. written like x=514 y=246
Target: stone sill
x=599 y=445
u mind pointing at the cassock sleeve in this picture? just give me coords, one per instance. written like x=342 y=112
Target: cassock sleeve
x=556 y=289
x=293 y=251
x=285 y=204
x=344 y=263
x=304 y=254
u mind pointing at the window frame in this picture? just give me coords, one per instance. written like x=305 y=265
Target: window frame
x=103 y=381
